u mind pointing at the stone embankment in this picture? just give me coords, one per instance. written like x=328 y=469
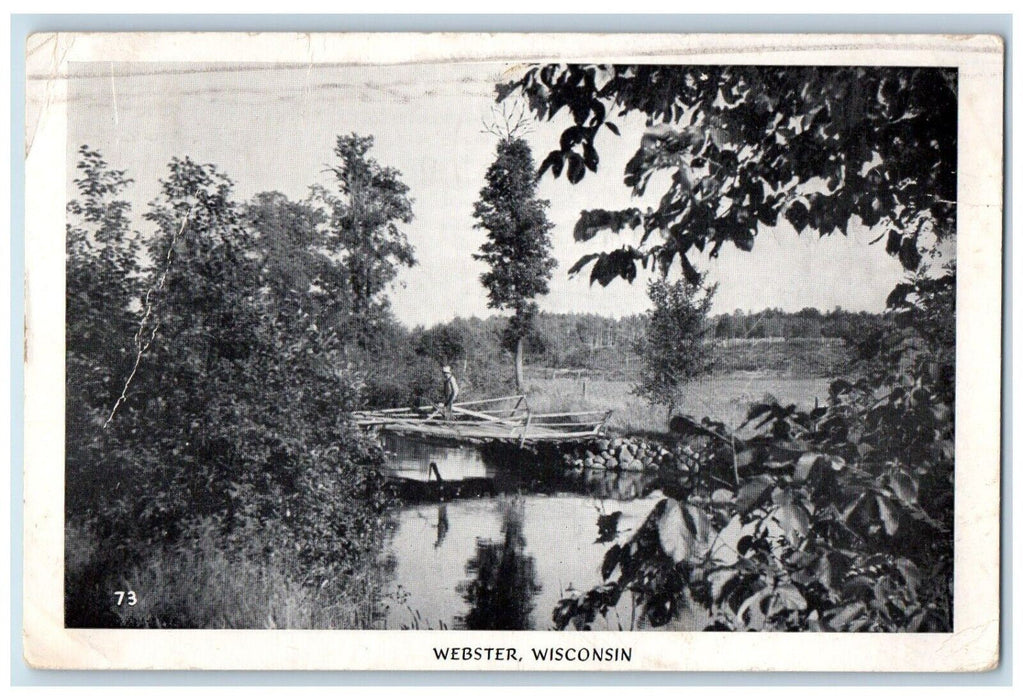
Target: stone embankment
x=632 y=454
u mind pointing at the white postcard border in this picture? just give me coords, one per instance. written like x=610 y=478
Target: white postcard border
x=972 y=646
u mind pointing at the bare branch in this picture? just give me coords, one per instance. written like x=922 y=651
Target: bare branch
x=509 y=121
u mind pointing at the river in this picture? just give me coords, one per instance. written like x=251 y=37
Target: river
x=504 y=556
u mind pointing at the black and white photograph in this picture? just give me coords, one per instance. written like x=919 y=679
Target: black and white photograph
x=484 y=344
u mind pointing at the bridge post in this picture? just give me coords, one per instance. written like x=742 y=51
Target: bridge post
x=529 y=417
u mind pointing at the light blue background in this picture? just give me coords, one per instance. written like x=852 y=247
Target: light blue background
x=23 y=25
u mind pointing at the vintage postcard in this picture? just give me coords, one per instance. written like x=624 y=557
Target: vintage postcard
x=513 y=352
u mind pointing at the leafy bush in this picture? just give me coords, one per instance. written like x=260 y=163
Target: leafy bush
x=836 y=518
x=214 y=412
x=675 y=348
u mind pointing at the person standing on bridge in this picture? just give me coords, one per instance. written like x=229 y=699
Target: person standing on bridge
x=450 y=392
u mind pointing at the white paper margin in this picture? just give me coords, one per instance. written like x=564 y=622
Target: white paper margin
x=973 y=646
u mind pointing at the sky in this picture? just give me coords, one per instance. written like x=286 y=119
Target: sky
x=273 y=128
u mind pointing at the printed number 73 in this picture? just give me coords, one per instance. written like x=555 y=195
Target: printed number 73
x=126 y=595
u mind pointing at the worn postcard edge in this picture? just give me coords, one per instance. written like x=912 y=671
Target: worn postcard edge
x=974 y=644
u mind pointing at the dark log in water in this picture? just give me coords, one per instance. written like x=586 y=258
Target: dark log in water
x=419 y=491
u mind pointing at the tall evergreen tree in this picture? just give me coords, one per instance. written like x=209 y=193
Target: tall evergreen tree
x=518 y=246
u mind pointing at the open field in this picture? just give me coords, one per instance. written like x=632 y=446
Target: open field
x=796 y=357
x=723 y=397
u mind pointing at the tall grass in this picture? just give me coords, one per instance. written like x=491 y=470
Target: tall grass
x=722 y=397
x=203 y=585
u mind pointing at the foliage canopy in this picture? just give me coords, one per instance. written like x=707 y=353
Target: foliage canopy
x=233 y=426
x=835 y=518
x=743 y=146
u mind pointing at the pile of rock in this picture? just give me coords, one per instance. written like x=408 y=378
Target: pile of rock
x=633 y=454
x=620 y=454
x=692 y=457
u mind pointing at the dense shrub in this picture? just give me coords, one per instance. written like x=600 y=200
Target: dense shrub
x=835 y=518
x=675 y=349
x=208 y=417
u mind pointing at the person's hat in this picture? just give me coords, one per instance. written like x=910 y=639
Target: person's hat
x=446 y=369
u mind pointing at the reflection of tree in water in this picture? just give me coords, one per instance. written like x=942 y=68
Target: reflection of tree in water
x=503 y=579
x=442 y=525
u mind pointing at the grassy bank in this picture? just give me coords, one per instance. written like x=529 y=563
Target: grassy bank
x=723 y=397
x=204 y=585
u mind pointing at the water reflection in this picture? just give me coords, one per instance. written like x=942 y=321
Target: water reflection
x=442 y=525
x=503 y=582
x=497 y=543
x=425 y=472
x=411 y=459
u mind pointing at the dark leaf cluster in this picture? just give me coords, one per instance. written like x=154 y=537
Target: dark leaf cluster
x=745 y=146
x=832 y=518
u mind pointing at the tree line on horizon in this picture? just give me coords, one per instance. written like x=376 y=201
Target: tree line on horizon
x=593 y=341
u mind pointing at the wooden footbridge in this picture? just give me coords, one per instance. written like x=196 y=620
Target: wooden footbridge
x=502 y=419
